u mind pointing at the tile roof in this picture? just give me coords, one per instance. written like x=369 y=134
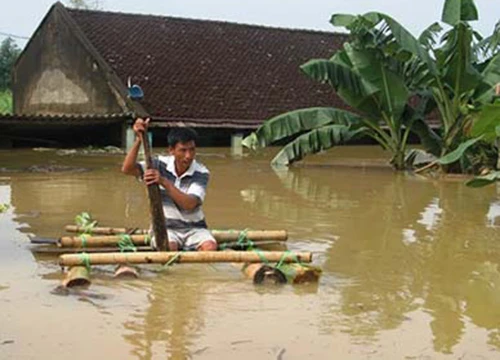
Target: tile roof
x=211 y=71
x=77 y=119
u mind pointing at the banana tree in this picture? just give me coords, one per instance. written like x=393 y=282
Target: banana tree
x=381 y=69
x=459 y=71
x=369 y=81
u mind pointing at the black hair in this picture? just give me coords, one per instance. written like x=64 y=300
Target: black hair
x=181 y=135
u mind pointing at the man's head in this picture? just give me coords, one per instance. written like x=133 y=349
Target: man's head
x=182 y=145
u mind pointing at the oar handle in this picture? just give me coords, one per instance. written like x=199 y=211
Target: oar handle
x=155 y=203
x=147 y=149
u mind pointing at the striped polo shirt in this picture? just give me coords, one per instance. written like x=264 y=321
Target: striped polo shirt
x=193 y=182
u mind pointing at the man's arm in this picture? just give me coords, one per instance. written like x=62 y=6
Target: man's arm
x=129 y=166
x=184 y=201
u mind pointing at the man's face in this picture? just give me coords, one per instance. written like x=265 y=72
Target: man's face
x=184 y=154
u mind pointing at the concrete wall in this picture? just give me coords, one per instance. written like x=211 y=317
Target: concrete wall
x=57 y=75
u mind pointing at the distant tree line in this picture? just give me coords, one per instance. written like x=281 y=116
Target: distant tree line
x=85 y=4
x=9 y=51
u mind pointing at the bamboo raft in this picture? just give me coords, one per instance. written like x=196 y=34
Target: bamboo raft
x=104 y=246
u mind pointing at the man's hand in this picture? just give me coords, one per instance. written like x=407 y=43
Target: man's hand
x=141 y=126
x=152 y=176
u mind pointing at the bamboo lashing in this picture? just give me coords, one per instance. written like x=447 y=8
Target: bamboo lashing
x=184 y=257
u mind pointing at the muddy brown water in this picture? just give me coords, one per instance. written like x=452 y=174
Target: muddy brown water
x=411 y=266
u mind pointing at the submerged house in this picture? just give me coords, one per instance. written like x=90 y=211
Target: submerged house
x=70 y=82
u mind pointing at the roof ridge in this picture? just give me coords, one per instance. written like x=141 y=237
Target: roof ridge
x=223 y=22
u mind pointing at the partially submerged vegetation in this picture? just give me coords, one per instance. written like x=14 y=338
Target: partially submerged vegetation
x=395 y=81
x=4 y=207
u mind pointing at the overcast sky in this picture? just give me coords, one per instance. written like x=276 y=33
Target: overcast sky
x=21 y=17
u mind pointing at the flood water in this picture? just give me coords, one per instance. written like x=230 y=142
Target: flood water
x=410 y=265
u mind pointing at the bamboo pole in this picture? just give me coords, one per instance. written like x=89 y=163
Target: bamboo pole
x=301 y=273
x=126 y=271
x=219 y=235
x=52 y=250
x=264 y=274
x=106 y=230
x=76 y=276
x=221 y=238
x=183 y=257
x=254 y=235
x=83 y=241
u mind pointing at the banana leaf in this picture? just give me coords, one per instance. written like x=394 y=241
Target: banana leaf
x=418 y=157
x=456 y=11
x=407 y=41
x=315 y=141
x=490 y=77
x=428 y=37
x=392 y=94
x=456 y=154
x=458 y=71
x=342 y=20
x=488 y=123
x=480 y=181
x=298 y=121
x=349 y=85
x=488 y=46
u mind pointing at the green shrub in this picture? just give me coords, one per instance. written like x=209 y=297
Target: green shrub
x=5 y=102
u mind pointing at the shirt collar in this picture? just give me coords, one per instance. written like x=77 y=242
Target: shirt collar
x=170 y=161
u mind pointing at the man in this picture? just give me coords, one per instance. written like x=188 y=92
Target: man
x=183 y=182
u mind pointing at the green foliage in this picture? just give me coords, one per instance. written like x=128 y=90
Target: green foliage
x=85 y=221
x=488 y=123
x=9 y=51
x=456 y=11
x=315 y=141
x=368 y=81
x=5 y=102
x=484 y=180
x=458 y=153
x=383 y=66
x=4 y=208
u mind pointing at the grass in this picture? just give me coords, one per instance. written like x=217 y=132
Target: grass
x=5 y=102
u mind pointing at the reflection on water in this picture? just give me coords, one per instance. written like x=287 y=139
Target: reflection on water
x=406 y=261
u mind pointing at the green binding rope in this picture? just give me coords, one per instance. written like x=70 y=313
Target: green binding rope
x=172 y=260
x=126 y=244
x=242 y=240
x=85 y=260
x=147 y=239
x=283 y=257
x=242 y=236
x=83 y=238
x=261 y=256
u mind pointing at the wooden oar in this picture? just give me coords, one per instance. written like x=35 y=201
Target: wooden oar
x=155 y=203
